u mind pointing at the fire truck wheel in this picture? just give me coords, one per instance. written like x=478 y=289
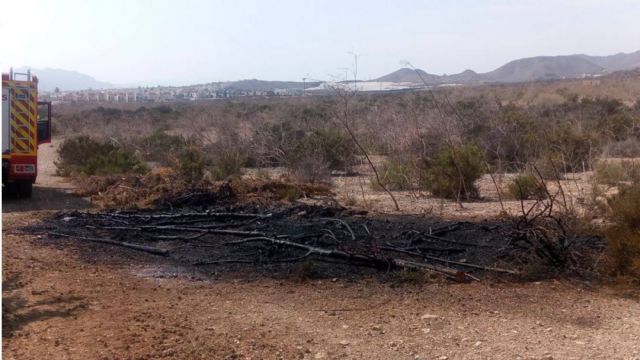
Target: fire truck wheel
x=25 y=189
x=10 y=189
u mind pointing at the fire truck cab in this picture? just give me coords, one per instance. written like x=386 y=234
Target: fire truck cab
x=26 y=123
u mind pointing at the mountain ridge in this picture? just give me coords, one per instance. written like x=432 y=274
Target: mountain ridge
x=527 y=69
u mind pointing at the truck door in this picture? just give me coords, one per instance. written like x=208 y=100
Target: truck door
x=44 y=122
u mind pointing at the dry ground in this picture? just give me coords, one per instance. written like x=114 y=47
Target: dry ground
x=357 y=191
x=60 y=303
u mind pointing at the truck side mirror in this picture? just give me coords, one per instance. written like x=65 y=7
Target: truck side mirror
x=44 y=122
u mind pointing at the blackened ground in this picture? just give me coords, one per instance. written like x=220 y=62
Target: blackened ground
x=213 y=242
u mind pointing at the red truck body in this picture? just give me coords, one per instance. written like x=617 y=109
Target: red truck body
x=26 y=123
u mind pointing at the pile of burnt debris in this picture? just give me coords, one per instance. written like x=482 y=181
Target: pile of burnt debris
x=276 y=239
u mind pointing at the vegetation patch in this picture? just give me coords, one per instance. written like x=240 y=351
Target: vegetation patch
x=527 y=187
x=624 y=236
x=453 y=172
x=88 y=156
x=395 y=175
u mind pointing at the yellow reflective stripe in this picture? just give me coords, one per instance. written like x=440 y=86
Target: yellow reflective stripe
x=22 y=132
x=25 y=109
x=18 y=121
x=21 y=144
x=22 y=107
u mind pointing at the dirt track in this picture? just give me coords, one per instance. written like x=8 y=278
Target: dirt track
x=61 y=302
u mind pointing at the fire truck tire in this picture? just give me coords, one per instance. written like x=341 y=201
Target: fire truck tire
x=25 y=189
x=10 y=189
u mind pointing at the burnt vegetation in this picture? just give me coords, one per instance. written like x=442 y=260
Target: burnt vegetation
x=439 y=143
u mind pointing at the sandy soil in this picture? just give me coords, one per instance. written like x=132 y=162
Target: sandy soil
x=64 y=302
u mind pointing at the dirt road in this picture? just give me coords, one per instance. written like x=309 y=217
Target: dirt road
x=62 y=300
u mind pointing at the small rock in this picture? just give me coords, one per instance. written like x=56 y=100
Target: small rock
x=443 y=357
x=344 y=342
x=426 y=330
x=478 y=343
x=320 y=355
x=376 y=328
x=428 y=316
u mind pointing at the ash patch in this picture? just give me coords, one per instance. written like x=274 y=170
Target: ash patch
x=301 y=240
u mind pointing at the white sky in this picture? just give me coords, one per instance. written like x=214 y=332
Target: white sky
x=189 y=41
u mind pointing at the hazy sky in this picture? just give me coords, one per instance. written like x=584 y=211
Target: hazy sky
x=188 y=41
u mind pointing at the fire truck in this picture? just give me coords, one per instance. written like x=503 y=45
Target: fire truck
x=26 y=123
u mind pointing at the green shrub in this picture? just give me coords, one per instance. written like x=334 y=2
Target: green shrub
x=160 y=146
x=613 y=174
x=572 y=149
x=311 y=168
x=453 y=171
x=525 y=187
x=191 y=164
x=395 y=175
x=624 y=236
x=546 y=168
x=90 y=156
x=335 y=147
x=227 y=163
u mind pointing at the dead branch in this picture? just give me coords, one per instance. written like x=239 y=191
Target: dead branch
x=359 y=259
x=148 y=249
x=343 y=223
x=447 y=261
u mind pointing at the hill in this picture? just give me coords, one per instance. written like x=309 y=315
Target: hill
x=65 y=80
x=544 y=68
x=620 y=61
x=406 y=75
x=527 y=69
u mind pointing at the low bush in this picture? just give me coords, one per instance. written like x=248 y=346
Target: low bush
x=89 y=156
x=395 y=175
x=160 y=146
x=546 y=168
x=628 y=148
x=335 y=148
x=453 y=172
x=191 y=164
x=526 y=187
x=226 y=163
x=616 y=173
x=311 y=168
x=624 y=236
